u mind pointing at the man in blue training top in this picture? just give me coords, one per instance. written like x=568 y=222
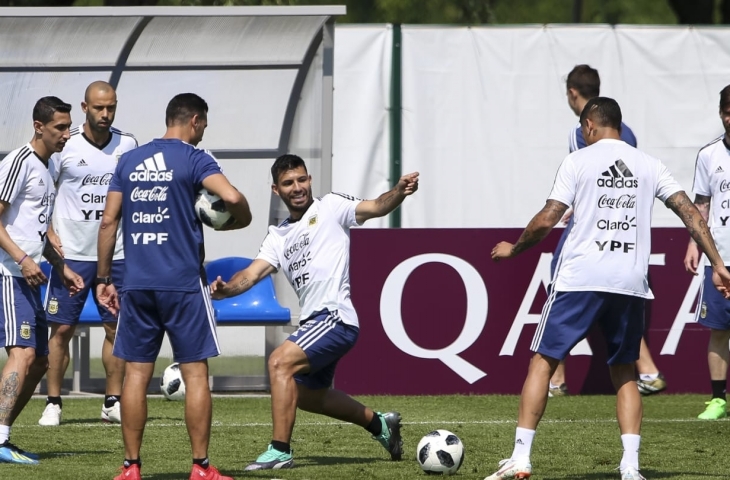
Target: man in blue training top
x=583 y=84
x=153 y=193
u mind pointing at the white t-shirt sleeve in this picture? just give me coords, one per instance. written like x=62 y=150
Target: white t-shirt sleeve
x=268 y=253
x=342 y=207
x=565 y=183
x=701 y=185
x=666 y=184
x=12 y=177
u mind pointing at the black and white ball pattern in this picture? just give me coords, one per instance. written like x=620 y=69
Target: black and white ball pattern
x=440 y=452
x=211 y=210
x=171 y=383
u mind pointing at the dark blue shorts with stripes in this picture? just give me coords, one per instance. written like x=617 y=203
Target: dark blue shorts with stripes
x=325 y=338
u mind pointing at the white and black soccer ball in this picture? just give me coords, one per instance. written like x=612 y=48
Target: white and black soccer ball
x=440 y=452
x=171 y=383
x=211 y=210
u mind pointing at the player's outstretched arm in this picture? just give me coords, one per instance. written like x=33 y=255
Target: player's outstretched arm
x=692 y=257
x=235 y=202
x=241 y=280
x=687 y=211
x=389 y=201
x=536 y=230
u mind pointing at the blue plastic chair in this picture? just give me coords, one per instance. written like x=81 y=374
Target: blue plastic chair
x=257 y=305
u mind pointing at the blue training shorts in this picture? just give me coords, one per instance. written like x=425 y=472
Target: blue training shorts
x=61 y=308
x=23 y=318
x=325 y=338
x=187 y=317
x=567 y=317
x=714 y=309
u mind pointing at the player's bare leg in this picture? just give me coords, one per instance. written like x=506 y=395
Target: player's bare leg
x=645 y=363
x=717 y=359
x=113 y=366
x=198 y=406
x=650 y=379
x=558 y=386
x=337 y=404
x=285 y=362
x=37 y=369
x=58 y=356
x=134 y=406
x=629 y=411
x=114 y=369
x=58 y=360
x=20 y=370
x=533 y=399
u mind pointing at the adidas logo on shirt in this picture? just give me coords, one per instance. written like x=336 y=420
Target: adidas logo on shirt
x=618 y=176
x=82 y=163
x=41 y=183
x=152 y=169
x=719 y=170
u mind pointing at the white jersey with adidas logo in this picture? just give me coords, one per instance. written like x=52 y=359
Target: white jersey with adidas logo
x=713 y=180
x=612 y=187
x=27 y=185
x=83 y=171
x=314 y=254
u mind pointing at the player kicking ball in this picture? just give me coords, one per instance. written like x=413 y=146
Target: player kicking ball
x=312 y=248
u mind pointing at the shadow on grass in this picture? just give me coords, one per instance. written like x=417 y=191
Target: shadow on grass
x=646 y=472
x=83 y=421
x=167 y=476
x=308 y=461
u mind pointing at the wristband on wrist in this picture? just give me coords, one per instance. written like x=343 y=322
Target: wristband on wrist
x=21 y=260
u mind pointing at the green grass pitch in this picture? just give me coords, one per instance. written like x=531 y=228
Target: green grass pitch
x=578 y=440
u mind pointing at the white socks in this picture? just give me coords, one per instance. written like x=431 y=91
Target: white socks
x=552 y=386
x=4 y=433
x=631 y=451
x=523 y=443
x=647 y=377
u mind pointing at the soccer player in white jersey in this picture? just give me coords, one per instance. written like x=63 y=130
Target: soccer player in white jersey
x=601 y=274
x=312 y=247
x=26 y=202
x=582 y=84
x=82 y=172
x=712 y=197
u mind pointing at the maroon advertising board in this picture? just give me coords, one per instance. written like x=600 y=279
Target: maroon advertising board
x=438 y=316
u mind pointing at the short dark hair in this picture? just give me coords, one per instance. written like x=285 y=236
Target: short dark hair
x=183 y=106
x=285 y=163
x=46 y=107
x=725 y=98
x=585 y=80
x=604 y=111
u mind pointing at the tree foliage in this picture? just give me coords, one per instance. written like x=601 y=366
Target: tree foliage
x=475 y=12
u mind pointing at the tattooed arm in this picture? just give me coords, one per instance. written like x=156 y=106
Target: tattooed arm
x=696 y=224
x=388 y=201
x=242 y=280
x=536 y=230
x=692 y=257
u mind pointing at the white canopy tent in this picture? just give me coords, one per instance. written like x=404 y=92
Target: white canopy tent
x=266 y=73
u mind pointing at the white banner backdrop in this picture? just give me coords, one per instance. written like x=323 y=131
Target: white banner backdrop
x=486 y=121
x=361 y=162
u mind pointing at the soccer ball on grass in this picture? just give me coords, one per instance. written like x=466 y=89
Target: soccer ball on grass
x=171 y=383
x=440 y=452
